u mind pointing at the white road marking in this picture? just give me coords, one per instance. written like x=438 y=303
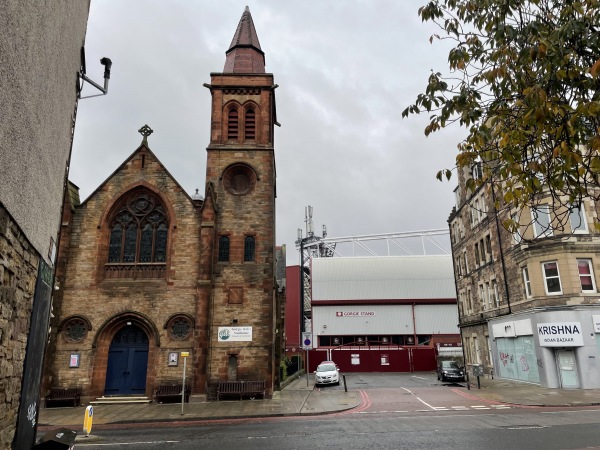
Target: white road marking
x=90 y=444
x=568 y=412
x=422 y=401
x=435 y=409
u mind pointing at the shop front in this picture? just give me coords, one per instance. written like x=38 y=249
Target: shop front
x=556 y=349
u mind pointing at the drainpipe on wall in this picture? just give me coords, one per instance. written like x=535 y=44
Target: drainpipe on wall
x=501 y=254
x=460 y=329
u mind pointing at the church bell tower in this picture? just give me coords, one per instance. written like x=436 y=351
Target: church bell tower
x=237 y=285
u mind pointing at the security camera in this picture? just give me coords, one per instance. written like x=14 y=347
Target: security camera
x=107 y=63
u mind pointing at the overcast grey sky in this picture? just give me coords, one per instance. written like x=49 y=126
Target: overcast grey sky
x=346 y=70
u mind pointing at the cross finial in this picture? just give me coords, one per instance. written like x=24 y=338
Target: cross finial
x=145 y=131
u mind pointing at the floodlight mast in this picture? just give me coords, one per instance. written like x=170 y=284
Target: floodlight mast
x=310 y=247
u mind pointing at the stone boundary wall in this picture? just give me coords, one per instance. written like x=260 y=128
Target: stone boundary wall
x=18 y=272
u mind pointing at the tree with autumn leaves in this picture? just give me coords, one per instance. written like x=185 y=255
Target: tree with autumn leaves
x=524 y=81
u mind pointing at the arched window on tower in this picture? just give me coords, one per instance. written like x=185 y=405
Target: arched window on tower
x=250 y=124
x=138 y=237
x=232 y=124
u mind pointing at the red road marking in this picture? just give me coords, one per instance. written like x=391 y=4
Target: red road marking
x=364 y=405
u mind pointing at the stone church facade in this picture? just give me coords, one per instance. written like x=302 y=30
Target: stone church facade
x=146 y=272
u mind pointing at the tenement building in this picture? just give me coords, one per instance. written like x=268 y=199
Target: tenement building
x=529 y=306
x=149 y=275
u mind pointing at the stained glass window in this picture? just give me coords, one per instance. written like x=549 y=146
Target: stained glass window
x=130 y=243
x=114 y=251
x=160 y=249
x=180 y=327
x=146 y=244
x=75 y=329
x=138 y=230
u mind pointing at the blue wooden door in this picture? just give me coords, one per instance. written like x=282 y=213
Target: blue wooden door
x=127 y=362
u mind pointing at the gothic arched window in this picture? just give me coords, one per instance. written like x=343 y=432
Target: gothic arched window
x=250 y=124
x=138 y=236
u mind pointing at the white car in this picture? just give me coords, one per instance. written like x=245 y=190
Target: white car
x=327 y=373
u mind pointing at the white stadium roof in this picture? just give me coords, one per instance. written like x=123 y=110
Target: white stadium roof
x=383 y=278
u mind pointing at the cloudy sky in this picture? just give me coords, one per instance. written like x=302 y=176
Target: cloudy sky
x=346 y=70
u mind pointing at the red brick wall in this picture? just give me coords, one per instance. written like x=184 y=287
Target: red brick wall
x=237 y=216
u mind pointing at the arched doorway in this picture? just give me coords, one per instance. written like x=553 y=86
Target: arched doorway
x=127 y=362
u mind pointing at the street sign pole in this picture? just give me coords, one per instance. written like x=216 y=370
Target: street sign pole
x=185 y=355
x=307 y=366
x=307 y=345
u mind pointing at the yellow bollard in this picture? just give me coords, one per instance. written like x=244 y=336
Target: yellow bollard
x=87 y=420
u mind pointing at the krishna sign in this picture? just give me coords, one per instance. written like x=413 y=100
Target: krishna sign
x=560 y=334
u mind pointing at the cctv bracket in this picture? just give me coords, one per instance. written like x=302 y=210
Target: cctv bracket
x=107 y=63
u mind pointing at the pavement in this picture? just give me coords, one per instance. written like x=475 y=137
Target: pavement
x=300 y=398
x=527 y=394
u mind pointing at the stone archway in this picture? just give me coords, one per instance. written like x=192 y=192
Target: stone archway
x=127 y=364
x=116 y=328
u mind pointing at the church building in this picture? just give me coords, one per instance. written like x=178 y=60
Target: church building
x=147 y=274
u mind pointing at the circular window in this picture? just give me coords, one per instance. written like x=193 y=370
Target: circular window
x=141 y=203
x=75 y=329
x=180 y=327
x=239 y=179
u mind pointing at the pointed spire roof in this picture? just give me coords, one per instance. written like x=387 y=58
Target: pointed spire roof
x=244 y=54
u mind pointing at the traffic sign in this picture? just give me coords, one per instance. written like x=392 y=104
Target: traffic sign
x=307 y=340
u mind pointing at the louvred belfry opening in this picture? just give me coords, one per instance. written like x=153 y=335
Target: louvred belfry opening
x=232 y=124
x=250 y=124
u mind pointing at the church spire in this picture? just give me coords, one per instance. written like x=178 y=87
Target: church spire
x=244 y=54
